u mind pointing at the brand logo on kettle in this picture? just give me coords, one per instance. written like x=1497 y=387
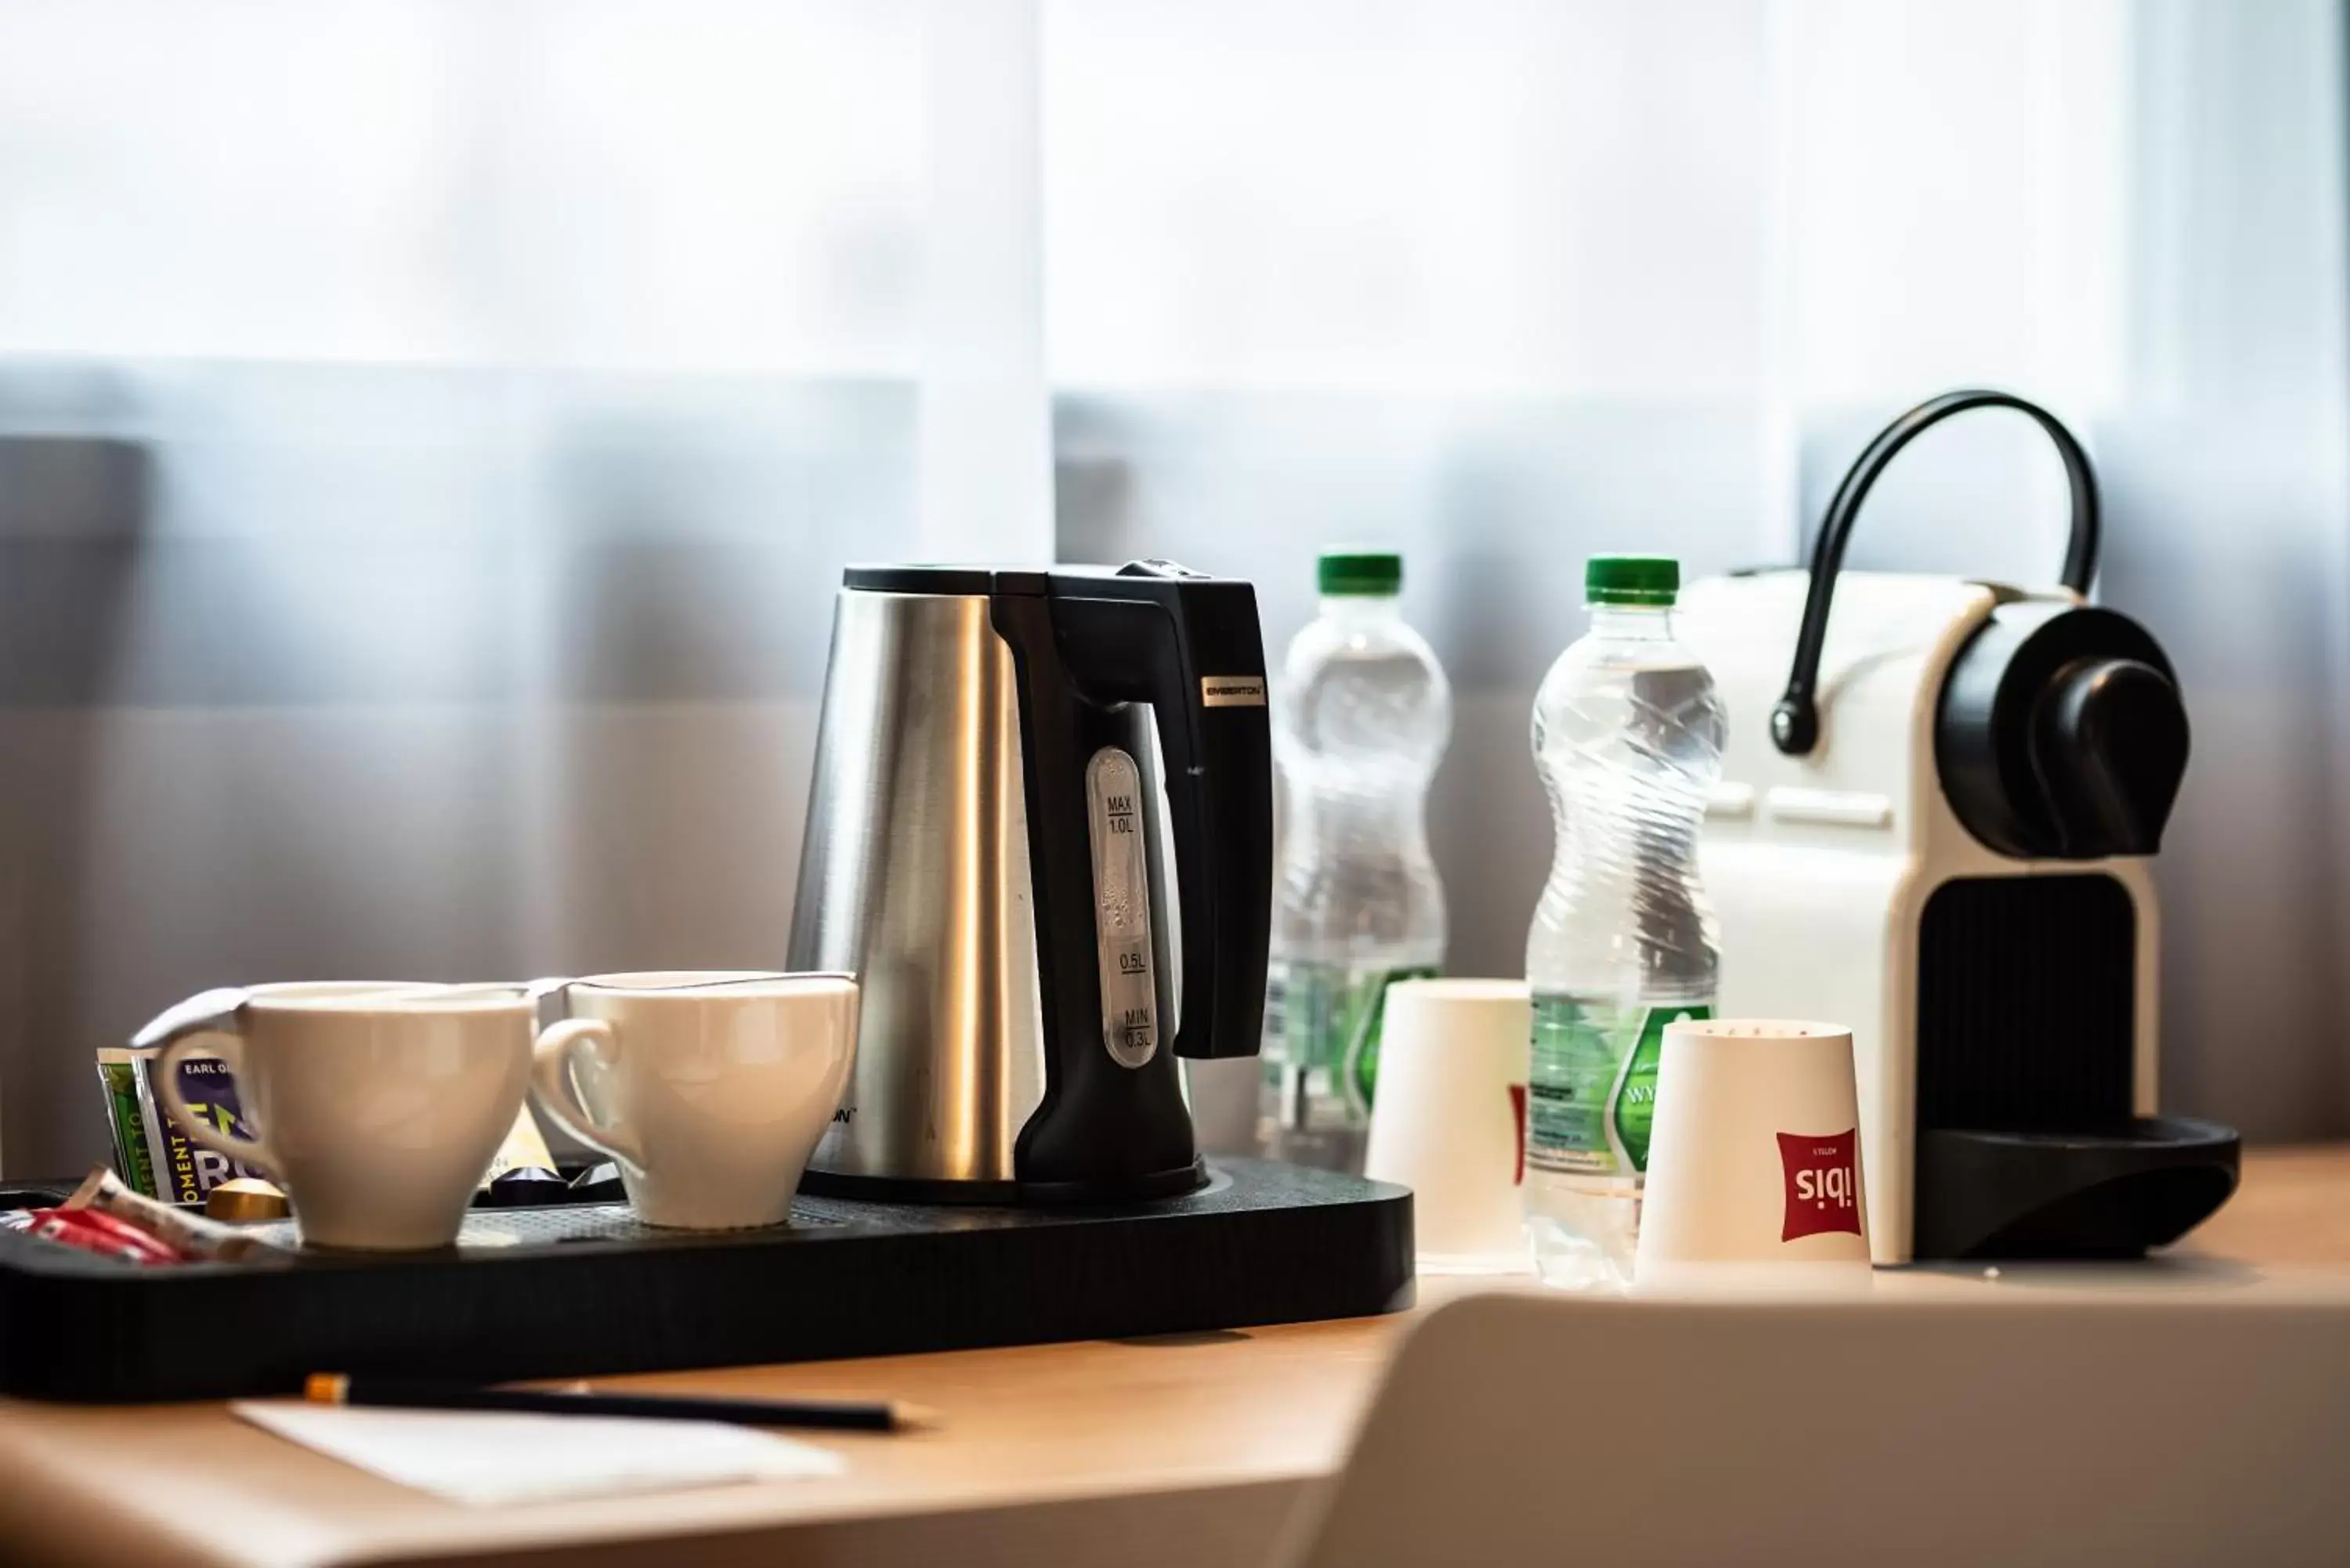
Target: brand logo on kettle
x=1232 y=692
x=1823 y=1184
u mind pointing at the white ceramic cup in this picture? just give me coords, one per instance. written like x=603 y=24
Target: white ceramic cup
x=709 y=1089
x=1754 y=1170
x=375 y=1106
x=1448 y=1118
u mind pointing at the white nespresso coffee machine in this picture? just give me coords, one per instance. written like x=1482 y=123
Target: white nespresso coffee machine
x=1939 y=802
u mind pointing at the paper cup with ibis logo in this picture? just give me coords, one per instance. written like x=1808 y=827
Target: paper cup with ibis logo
x=1448 y=1120
x=1754 y=1159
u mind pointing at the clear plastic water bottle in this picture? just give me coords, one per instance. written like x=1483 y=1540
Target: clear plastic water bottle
x=1361 y=718
x=1627 y=737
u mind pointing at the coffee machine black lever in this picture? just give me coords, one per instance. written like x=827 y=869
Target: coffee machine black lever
x=1795 y=720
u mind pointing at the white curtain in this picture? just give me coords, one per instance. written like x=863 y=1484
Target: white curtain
x=429 y=430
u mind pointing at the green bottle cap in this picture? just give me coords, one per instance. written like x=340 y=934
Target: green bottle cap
x=1631 y=580
x=1369 y=574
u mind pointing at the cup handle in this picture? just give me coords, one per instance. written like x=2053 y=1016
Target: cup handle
x=230 y=1048
x=551 y=1086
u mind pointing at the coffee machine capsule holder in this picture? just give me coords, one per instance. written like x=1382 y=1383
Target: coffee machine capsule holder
x=1939 y=803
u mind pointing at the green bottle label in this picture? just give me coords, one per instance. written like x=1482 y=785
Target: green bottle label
x=1591 y=1096
x=1322 y=1026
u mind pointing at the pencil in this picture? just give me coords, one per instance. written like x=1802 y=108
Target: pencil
x=829 y=1415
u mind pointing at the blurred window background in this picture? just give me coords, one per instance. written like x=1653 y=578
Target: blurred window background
x=431 y=430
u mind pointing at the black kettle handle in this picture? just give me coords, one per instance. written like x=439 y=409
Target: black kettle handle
x=1795 y=721
x=1192 y=647
x=1111 y=1122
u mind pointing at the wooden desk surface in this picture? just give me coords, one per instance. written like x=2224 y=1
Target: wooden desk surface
x=1186 y=1451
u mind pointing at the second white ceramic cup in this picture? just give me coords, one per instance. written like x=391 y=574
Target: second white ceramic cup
x=1754 y=1172
x=709 y=1089
x=1448 y=1118
x=377 y=1106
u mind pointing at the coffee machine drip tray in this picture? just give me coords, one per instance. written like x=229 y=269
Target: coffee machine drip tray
x=2074 y=1195
x=584 y=1289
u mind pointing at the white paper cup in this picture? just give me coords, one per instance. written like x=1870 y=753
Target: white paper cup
x=1754 y=1172
x=1448 y=1119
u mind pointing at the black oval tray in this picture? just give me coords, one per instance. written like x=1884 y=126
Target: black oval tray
x=584 y=1289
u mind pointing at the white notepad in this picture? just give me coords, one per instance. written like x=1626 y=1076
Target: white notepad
x=492 y=1457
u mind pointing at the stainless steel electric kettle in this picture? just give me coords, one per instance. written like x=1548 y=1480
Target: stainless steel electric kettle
x=983 y=852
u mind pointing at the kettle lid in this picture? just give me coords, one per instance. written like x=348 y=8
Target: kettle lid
x=1025 y=581
x=945 y=579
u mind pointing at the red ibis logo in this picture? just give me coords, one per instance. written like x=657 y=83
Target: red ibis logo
x=1822 y=1183
x=1518 y=1120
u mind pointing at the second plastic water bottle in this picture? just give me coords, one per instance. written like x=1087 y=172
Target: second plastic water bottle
x=1627 y=737
x=1361 y=715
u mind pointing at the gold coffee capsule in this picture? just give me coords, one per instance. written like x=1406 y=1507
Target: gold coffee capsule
x=244 y=1199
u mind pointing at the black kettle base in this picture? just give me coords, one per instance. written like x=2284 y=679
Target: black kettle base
x=1176 y=1183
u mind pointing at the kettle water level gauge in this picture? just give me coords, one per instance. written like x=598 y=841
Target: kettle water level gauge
x=1122 y=907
